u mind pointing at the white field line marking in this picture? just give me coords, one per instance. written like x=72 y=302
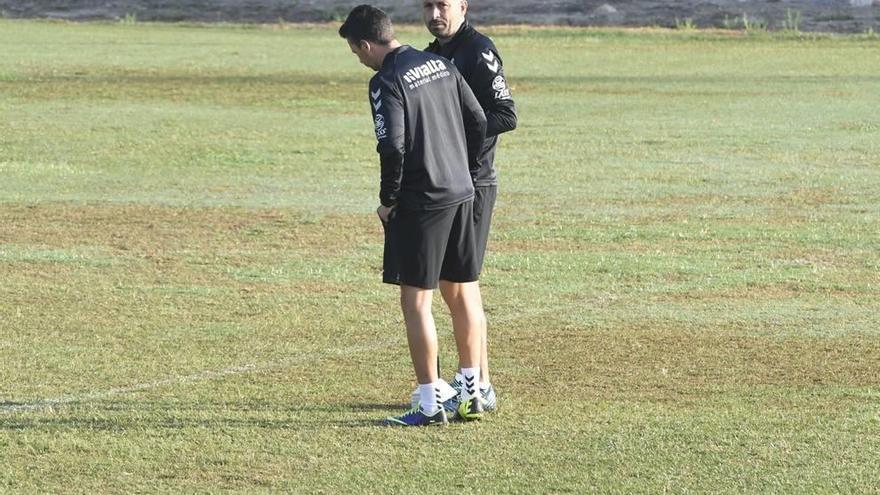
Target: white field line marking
x=208 y=375
x=201 y=376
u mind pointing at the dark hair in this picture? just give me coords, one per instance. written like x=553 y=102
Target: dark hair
x=367 y=23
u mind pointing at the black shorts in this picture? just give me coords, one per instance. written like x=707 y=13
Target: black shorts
x=484 y=203
x=423 y=247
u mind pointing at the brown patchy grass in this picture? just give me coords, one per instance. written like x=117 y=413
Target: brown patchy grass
x=201 y=86
x=151 y=231
x=669 y=364
x=784 y=291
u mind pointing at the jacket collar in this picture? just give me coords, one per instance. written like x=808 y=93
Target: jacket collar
x=449 y=48
x=389 y=58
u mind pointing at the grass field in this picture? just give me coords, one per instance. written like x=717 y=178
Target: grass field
x=683 y=284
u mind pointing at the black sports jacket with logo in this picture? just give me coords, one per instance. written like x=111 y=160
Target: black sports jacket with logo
x=429 y=128
x=478 y=60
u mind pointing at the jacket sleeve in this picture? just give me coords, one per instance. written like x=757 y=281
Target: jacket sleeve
x=474 y=123
x=389 y=120
x=493 y=92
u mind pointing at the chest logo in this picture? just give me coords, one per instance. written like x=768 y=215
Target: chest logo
x=425 y=70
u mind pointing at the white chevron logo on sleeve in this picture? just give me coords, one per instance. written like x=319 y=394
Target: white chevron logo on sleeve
x=377 y=103
x=491 y=62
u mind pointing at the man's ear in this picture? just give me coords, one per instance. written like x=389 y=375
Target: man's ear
x=365 y=46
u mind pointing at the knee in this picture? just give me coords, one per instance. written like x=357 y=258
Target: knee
x=456 y=302
x=414 y=313
x=415 y=308
x=465 y=305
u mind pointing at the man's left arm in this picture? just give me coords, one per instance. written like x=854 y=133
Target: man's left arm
x=491 y=88
x=388 y=115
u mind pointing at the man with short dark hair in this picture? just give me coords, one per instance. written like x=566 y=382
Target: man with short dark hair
x=479 y=62
x=429 y=128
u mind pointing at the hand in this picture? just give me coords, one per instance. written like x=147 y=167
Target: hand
x=384 y=212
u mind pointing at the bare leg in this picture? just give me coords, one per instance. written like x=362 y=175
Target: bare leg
x=484 y=334
x=464 y=303
x=420 y=331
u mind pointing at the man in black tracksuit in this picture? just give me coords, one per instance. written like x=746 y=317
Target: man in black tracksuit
x=429 y=128
x=478 y=60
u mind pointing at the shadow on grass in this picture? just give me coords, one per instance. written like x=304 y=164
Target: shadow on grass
x=127 y=415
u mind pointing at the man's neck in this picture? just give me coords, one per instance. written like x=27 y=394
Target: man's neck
x=382 y=51
x=444 y=41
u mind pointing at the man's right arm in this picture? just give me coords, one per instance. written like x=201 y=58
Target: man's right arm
x=388 y=117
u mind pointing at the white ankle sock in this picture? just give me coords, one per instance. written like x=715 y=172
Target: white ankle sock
x=470 y=383
x=428 y=398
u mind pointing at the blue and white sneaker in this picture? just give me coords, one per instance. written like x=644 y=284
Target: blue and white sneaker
x=451 y=405
x=416 y=417
x=490 y=400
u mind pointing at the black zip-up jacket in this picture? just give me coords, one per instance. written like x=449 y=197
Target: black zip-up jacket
x=478 y=60
x=429 y=128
